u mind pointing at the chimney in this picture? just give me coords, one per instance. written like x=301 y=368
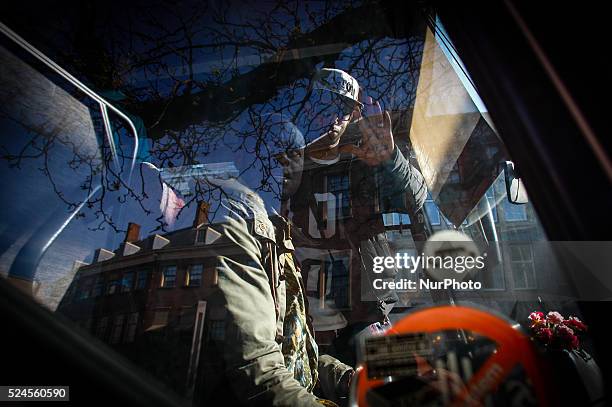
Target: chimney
x=201 y=216
x=133 y=233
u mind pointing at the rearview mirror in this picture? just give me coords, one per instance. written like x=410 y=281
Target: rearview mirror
x=515 y=190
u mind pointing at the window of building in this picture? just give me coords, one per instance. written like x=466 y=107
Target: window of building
x=216 y=330
x=211 y=276
x=141 y=282
x=132 y=324
x=117 y=328
x=514 y=213
x=168 y=277
x=193 y=277
x=454 y=177
x=329 y=279
x=101 y=328
x=432 y=211
x=127 y=282
x=85 y=288
x=339 y=287
x=113 y=284
x=492 y=276
x=201 y=236
x=98 y=286
x=338 y=184
x=396 y=219
x=523 y=270
x=160 y=317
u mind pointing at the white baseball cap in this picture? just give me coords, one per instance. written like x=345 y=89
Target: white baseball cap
x=337 y=81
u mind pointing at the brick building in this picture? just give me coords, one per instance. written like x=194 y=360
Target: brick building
x=150 y=299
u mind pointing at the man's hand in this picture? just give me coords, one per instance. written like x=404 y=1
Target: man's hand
x=376 y=145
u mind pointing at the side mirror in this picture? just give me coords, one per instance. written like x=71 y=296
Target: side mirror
x=515 y=190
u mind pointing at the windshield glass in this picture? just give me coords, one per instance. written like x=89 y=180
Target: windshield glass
x=331 y=135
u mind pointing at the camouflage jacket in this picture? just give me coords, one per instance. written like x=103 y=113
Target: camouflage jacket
x=269 y=354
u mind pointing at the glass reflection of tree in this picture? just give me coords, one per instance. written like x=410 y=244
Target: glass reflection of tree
x=203 y=76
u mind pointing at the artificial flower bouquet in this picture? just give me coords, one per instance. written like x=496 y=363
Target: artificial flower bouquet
x=556 y=332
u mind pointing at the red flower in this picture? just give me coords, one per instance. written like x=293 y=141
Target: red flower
x=566 y=337
x=564 y=331
x=545 y=335
x=574 y=342
x=537 y=319
x=555 y=331
x=554 y=317
x=575 y=324
x=536 y=316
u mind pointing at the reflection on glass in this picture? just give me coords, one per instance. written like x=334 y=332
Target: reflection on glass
x=135 y=261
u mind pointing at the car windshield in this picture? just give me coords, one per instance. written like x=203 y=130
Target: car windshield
x=115 y=181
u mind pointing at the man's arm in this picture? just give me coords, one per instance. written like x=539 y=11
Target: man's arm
x=334 y=378
x=254 y=360
x=398 y=176
x=378 y=150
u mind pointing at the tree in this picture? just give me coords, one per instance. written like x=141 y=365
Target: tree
x=205 y=74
